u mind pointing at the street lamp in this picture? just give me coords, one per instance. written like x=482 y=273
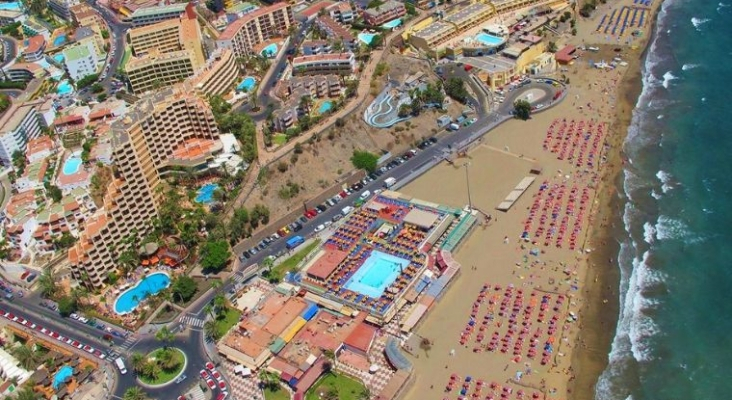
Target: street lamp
x=467 y=181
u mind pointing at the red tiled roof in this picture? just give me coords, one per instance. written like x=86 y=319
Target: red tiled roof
x=104 y=112
x=565 y=54
x=315 y=8
x=361 y=337
x=327 y=263
x=35 y=43
x=68 y=119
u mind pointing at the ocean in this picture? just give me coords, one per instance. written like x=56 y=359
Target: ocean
x=674 y=333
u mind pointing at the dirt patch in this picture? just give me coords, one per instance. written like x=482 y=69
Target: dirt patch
x=325 y=159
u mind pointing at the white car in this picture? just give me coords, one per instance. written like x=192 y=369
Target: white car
x=319 y=228
x=74 y=315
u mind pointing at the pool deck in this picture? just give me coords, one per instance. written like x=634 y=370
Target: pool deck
x=81 y=178
x=278 y=41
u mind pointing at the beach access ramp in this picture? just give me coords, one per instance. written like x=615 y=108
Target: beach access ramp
x=512 y=197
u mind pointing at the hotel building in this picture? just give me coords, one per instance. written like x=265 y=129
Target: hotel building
x=62 y=8
x=384 y=13
x=166 y=52
x=245 y=33
x=170 y=128
x=337 y=31
x=19 y=124
x=34 y=51
x=324 y=64
x=219 y=75
x=430 y=35
x=153 y=15
x=80 y=60
x=317 y=86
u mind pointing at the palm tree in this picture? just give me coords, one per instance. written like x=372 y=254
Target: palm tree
x=208 y=309
x=217 y=284
x=128 y=260
x=27 y=357
x=305 y=102
x=165 y=335
x=166 y=359
x=27 y=393
x=47 y=283
x=364 y=394
x=219 y=302
x=211 y=330
x=138 y=361
x=331 y=394
x=152 y=370
x=134 y=393
x=268 y=263
x=268 y=379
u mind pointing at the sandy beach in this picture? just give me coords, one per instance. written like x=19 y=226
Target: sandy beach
x=526 y=316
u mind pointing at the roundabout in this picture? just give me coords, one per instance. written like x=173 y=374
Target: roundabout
x=161 y=367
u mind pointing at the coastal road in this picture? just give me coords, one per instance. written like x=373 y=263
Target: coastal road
x=421 y=162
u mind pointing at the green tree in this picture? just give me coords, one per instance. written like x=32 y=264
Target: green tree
x=87 y=81
x=152 y=370
x=364 y=160
x=269 y=380
x=410 y=9
x=4 y=249
x=455 y=88
x=105 y=34
x=54 y=192
x=47 y=283
x=551 y=47
x=211 y=330
x=184 y=287
x=214 y=255
x=404 y=110
x=4 y=102
x=67 y=305
x=165 y=336
x=522 y=109
x=26 y=356
x=19 y=162
x=134 y=393
x=138 y=361
x=97 y=88
x=27 y=393
x=65 y=241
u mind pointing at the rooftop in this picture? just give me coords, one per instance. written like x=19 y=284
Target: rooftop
x=323 y=57
x=337 y=29
x=234 y=27
x=315 y=8
x=35 y=44
x=327 y=263
x=384 y=8
x=76 y=53
x=149 y=11
x=361 y=337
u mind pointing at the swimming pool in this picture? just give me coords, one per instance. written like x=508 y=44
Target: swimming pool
x=378 y=272
x=71 y=165
x=59 y=58
x=64 y=88
x=247 y=84
x=63 y=373
x=270 y=50
x=325 y=107
x=366 y=37
x=392 y=24
x=205 y=193
x=150 y=285
x=489 y=40
x=14 y=5
x=60 y=39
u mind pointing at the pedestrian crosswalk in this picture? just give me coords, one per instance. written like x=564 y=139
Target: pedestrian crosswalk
x=129 y=342
x=192 y=321
x=196 y=393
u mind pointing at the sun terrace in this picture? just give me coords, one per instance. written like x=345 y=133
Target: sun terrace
x=379 y=255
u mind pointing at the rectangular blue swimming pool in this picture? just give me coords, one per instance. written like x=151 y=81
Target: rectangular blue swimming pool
x=378 y=272
x=488 y=40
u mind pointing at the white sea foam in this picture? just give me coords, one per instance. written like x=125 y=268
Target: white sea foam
x=655 y=194
x=723 y=5
x=660 y=116
x=687 y=67
x=649 y=232
x=641 y=326
x=698 y=22
x=666 y=179
x=667 y=78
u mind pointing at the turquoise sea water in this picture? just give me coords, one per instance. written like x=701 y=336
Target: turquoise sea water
x=674 y=327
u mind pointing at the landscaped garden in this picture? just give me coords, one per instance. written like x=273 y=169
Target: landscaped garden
x=334 y=386
x=159 y=366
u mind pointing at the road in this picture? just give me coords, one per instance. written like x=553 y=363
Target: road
x=264 y=99
x=117 y=35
